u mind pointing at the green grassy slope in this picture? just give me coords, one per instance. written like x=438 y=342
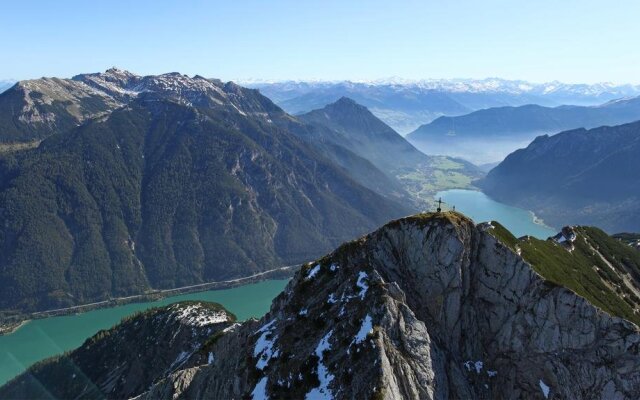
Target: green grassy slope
x=599 y=268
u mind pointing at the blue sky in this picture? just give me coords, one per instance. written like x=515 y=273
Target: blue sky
x=541 y=40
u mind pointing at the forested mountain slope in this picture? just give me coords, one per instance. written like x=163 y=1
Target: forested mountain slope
x=193 y=180
x=575 y=177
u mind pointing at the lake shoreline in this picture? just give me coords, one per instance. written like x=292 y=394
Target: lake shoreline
x=536 y=219
x=480 y=207
x=539 y=221
x=48 y=337
x=10 y=328
x=13 y=324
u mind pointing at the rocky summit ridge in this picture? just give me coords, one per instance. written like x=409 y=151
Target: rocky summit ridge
x=38 y=108
x=428 y=307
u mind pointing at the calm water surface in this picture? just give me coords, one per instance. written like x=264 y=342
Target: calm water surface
x=480 y=207
x=46 y=337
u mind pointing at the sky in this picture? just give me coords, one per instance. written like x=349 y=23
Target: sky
x=575 y=41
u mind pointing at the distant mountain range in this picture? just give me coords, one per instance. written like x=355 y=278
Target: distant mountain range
x=575 y=177
x=405 y=105
x=527 y=120
x=113 y=183
x=484 y=132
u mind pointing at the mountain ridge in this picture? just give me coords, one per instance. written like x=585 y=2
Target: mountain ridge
x=54 y=105
x=428 y=306
x=505 y=129
x=405 y=105
x=488 y=121
x=366 y=134
x=356 y=128
x=556 y=175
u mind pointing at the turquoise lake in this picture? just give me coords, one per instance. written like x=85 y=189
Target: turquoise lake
x=43 y=338
x=480 y=207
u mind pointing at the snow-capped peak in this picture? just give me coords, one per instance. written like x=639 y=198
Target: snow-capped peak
x=487 y=85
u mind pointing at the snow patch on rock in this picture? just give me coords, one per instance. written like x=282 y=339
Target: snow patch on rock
x=264 y=349
x=197 y=315
x=545 y=389
x=260 y=391
x=313 y=272
x=324 y=376
x=365 y=329
x=362 y=284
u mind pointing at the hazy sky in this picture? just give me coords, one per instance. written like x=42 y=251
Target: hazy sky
x=537 y=40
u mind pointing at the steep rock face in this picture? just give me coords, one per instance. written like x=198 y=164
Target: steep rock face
x=35 y=109
x=124 y=361
x=426 y=307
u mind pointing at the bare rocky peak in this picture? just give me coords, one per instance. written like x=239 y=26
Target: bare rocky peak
x=125 y=85
x=114 y=82
x=43 y=92
x=428 y=307
x=51 y=105
x=193 y=91
x=34 y=109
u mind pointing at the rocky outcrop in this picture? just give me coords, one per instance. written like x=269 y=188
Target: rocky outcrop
x=34 y=109
x=125 y=360
x=427 y=307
